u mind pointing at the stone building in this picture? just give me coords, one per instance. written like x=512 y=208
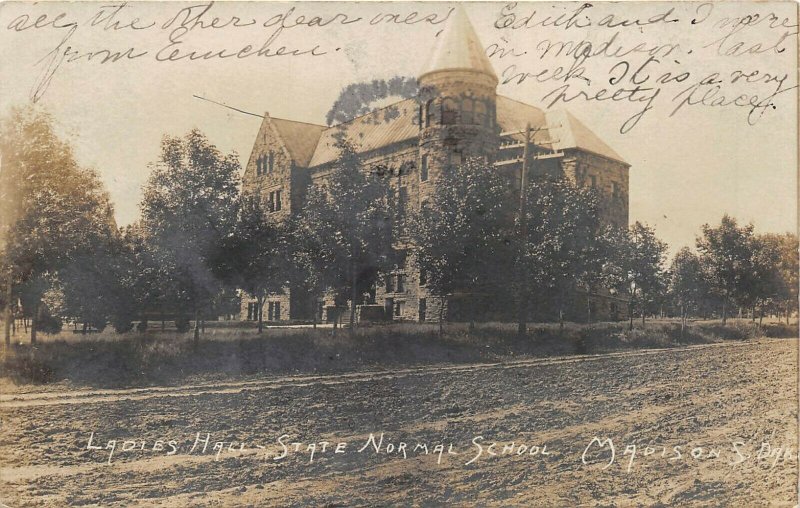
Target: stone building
x=457 y=113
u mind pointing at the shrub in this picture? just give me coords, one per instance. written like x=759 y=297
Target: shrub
x=122 y=324
x=182 y=324
x=28 y=368
x=50 y=325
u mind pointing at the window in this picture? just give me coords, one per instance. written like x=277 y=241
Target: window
x=467 y=110
x=398 y=308
x=271 y=162
x=423 y=169
x=480 y=113
x=429 y=113
x=423 y=276
x=258 y=166
x=252 y=311
x=274 y=311
x=593 y=180
x=423 y=309
x=401 y=283
x=274 y=202
x=615 y=190
x=389 y=283
x=449 y=111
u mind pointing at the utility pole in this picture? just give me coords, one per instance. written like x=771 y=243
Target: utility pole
x=522 y=324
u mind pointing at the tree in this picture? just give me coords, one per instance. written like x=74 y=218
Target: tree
x=787 y=268
x=349 y=217
x=768 y=282
x=254 y=257
x=461 y=235
x=686 y=283
x=727 y=252
x=635 y=265
x=54 y=211
x=560 y=252
x=188 y=207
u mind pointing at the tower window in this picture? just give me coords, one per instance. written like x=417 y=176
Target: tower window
x=467 y=111
x=258 y=166
x=449 y=111
x=271 y=162
x=423 y=170
x=480 y=113
x=429 y=113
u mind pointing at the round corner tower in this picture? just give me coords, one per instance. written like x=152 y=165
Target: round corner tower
x=457 y=98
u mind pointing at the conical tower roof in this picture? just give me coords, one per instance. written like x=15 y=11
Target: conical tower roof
x=458 y=48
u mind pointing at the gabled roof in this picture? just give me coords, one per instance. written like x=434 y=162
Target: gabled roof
x=572 y=133
x=383 y=127
x=513 y=116
x=564 y=130
x=458 y=48
x=299 y=138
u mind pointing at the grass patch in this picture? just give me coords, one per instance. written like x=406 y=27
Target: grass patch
x=155 y=358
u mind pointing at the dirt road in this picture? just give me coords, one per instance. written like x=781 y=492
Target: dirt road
x=710 y=425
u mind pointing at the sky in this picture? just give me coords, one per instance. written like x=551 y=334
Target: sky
x=716 y=154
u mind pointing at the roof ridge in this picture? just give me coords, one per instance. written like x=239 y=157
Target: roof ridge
x=298 y=121
x=370 y=113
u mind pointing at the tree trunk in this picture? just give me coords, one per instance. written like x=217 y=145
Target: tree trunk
x=196 y=326
x=8 y=318
x=683 y=320
x=84 y=328
x=588 y=309
x=643 y=314
x=522 y=313
x=260 y=301
x=353 y=295
x=753 y=313
x=724 y=312
x=163 y=321
x=441 y=317
x=630 y=315
x=34 y=322
x=471 y=311
x=314 y=313
x=203 y=325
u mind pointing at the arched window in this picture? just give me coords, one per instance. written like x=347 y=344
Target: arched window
x=467 y=109
x=271 y=162
x=258 y=166
x=480 y=113
x=430 y=112
x=449 y=111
